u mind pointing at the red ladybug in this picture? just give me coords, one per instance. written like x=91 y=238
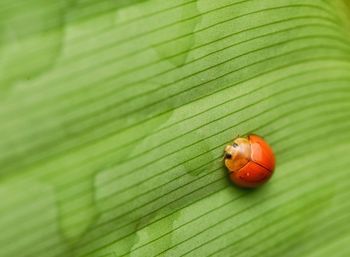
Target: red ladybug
x=250 y=161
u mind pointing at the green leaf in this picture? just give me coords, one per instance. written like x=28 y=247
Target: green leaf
x=114 y=116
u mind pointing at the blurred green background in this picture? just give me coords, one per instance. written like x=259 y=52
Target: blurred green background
x=114 y=115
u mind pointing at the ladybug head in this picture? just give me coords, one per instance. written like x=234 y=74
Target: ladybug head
x=237 y=154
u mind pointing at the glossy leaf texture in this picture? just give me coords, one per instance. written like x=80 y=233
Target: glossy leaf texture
x=114 y=116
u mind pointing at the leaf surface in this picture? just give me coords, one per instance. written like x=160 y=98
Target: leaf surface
x=114 y=116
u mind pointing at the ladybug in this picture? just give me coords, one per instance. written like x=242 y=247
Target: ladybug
x=250 y=161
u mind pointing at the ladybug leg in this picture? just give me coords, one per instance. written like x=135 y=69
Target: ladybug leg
x=223 y=157
x=245 y=135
